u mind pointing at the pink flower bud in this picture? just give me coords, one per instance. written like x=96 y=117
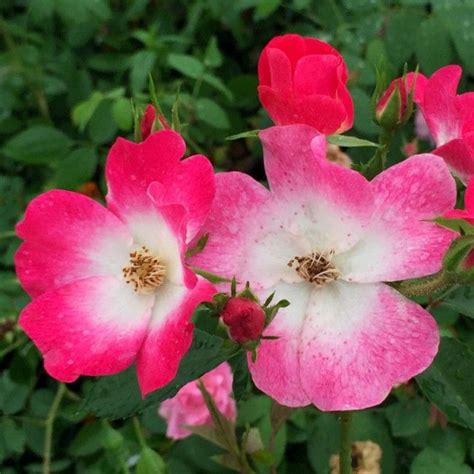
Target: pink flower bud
x=245 y=319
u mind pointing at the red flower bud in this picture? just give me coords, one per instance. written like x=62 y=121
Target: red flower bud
x=304 y=80
x=150 y=116
x=245 y=319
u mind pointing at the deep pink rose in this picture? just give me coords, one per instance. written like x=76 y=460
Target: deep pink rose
x=303 y=80
x=245 y=319
x=188 y=406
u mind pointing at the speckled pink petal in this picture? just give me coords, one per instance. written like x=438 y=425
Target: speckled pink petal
x=170 y=333
x=277 y=370
x=93 y=326
x=358 y=341
x=401 y=242
x=68 y=236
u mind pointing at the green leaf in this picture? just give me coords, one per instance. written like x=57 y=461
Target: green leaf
x=11 y=201
x=84 y=111
x=40 y=144
x=88 y=440
x=186 y=65
x=401 y=30
x=448 y=382
x=457 y=253
x=212 y=56
x=265 y=8
x=211 y=113
x=458 y=18
x=12 y=437
x=118 y=396
x=347 y=141
x=409 y=417
x=13 y=395
x=141 y=66
x=432 y=32
x=217 y=84
x=122 y=113
x=150 y=462
x=102 y=128
x=249 y=134
x=461 y=300
x=430 y=461
x=77 y=168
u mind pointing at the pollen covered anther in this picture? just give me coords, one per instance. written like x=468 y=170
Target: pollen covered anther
x=317 y=267
x=145 y=271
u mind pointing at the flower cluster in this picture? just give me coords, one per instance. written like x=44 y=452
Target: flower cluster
x=113 y=285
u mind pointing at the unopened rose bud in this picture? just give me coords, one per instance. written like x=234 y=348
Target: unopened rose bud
x=391 y=107
x=151 y=121
x=245 y=319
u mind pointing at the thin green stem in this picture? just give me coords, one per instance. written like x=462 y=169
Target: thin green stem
x=139 y=432
x=385 y=140
x=345 y=447
x=49 y=423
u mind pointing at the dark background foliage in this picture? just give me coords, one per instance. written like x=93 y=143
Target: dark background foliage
x=68 y=72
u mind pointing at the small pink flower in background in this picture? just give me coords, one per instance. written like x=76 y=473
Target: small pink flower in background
x=450 y=119
x=189 y=408
x=410 y=148
x=245 y=319
x=110 y=285
x=324 y=238
x=303 y=80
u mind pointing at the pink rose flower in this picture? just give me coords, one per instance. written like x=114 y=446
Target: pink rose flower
x=326 y=239
x=109 y=284
x=245 y=319
x=189 y=408
x=450 y=119
x=303 y=80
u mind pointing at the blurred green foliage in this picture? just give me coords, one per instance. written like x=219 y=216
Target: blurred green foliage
x=71 y=72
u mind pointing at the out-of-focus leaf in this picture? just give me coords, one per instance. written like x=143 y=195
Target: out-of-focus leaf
x=118 y=396
x=212 y=113
x=150 y=462
x=408 y=417
x=430 y=461
x=122 y=113
x=77 y=168
x=185 y=64
x=40 y=144
x=448 y=382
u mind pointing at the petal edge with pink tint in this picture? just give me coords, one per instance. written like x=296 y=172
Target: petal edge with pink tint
x=94 y=326
x=277 y=369
x=400 y=242
x=68 y=236
x=359 y=341
x=170 y=333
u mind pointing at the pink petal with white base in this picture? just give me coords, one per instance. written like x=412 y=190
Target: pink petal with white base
x=400 y=242
x=170 y=333
x=439 y=104
x=277 y=370
x=93 y=326
x=360 y=340
x=335 y=203
x=68 y=236
x=235 y=224
x=132 y=167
